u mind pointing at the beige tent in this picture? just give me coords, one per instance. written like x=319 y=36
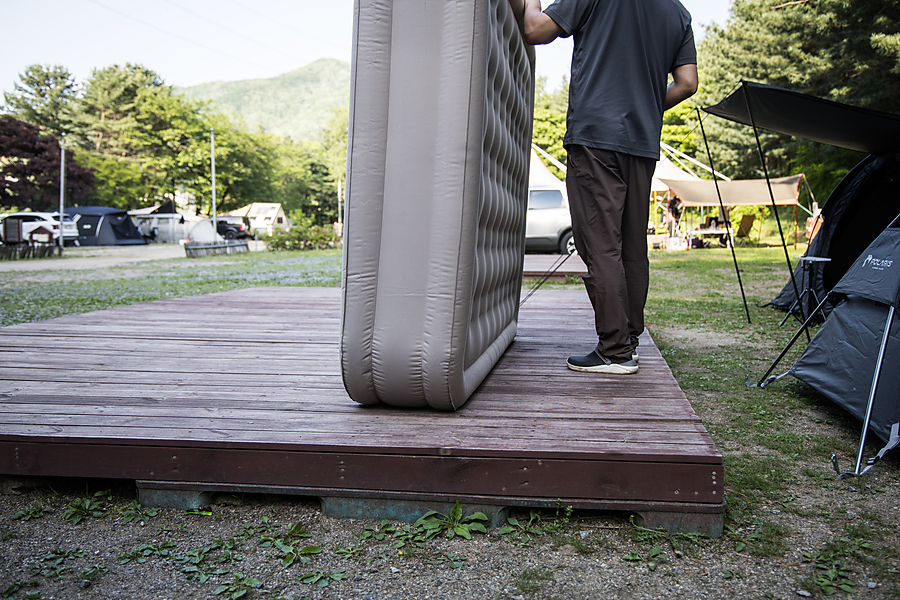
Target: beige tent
x=666 y=170
x=539 y=176
x=746 y=192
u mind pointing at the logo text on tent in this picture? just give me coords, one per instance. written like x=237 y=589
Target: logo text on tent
x=879 y=264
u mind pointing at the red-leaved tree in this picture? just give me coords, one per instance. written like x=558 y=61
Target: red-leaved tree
x=29 y=169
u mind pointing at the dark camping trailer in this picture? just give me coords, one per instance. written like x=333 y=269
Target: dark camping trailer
x=861 y=206
x=104 y=226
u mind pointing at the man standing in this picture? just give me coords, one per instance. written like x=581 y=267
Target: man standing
x=624 y=52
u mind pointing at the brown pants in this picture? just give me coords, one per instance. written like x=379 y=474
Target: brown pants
x=609 y=199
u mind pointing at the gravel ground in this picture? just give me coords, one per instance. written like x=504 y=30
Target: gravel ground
x=96 y=257
x=580 y=556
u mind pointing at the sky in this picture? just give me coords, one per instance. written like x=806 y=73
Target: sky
x=188 y=42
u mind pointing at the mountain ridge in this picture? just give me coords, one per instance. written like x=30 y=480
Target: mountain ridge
x=296 y=104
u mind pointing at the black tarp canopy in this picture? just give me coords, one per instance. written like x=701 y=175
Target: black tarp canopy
x=861 y=206
x=792 y=113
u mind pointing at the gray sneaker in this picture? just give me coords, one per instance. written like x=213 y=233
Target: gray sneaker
x=597 y=363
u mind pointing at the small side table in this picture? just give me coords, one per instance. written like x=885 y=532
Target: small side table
x=809 y=292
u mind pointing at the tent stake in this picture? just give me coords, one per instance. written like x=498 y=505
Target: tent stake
x=722 y=209
x=762 y=160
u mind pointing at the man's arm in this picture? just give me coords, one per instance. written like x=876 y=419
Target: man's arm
x=539 y=28
x=683 y=86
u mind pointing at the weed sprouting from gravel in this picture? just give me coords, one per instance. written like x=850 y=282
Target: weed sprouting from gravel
x=531 y=580
x=82 y=508
x=34 y=511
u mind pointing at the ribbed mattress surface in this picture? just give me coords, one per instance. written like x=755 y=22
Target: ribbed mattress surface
x=440 y=135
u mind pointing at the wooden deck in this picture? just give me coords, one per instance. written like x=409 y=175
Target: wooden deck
x=242 y=390
x=538 y=265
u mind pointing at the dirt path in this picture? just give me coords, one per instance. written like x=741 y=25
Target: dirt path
x=101 y=257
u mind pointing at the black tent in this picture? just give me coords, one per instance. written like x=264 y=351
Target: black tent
x=844 y=360
x=104 y=226
x=858 y=209
x=861 y=206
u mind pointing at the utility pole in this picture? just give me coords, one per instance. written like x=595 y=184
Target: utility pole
x=212 y=159
x=62 y=189
x=340 y=197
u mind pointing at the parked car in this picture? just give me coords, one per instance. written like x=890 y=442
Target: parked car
x=232 y=227
x=548 y=225
x=49 y=221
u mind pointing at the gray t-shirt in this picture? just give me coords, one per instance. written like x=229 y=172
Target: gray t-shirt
x=624 y=51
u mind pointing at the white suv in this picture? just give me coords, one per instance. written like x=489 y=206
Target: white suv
x=33 y=220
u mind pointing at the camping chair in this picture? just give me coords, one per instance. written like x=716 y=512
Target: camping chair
x=743 y=231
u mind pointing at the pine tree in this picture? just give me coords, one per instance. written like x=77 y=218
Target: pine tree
x=45 y=96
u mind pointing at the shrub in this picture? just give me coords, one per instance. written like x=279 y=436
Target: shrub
x=304 y=236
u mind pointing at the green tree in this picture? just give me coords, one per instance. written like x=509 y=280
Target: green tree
x=549 y=125
x=557 y=100
x=334 y=156
x=303 y=183
x=120 y=181
x=842 y=50
x=245 y=165
x=171 y=140
x=107 y=109
x=45 y=96
x=679 y=127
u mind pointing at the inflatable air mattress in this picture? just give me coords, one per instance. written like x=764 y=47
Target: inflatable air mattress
x=438 y=156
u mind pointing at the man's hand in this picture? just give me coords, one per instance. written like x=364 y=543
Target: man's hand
x=684 y=85
x=539 y=28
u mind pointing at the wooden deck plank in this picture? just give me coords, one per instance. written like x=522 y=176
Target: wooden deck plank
x=260 y=402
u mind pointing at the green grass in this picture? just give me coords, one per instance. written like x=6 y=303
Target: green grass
x=27 y=297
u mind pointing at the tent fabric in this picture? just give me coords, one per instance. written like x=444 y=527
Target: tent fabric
x=747 y=192
x=876 y=273
x=857 y=211
x=438 y=156
x=840 y=362
x=539 y=176
x=784 y=111
x=667 y=170
x=104 y=226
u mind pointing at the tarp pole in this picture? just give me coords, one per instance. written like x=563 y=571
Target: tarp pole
x=722 y=209
x=762 y=160
x=212 y=168
x=62 y=190
x=875 y=377
x=765 y=380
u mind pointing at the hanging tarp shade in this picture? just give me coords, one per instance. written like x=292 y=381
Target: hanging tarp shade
x=792 y=113
x=748 y=192
x=666 y=170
